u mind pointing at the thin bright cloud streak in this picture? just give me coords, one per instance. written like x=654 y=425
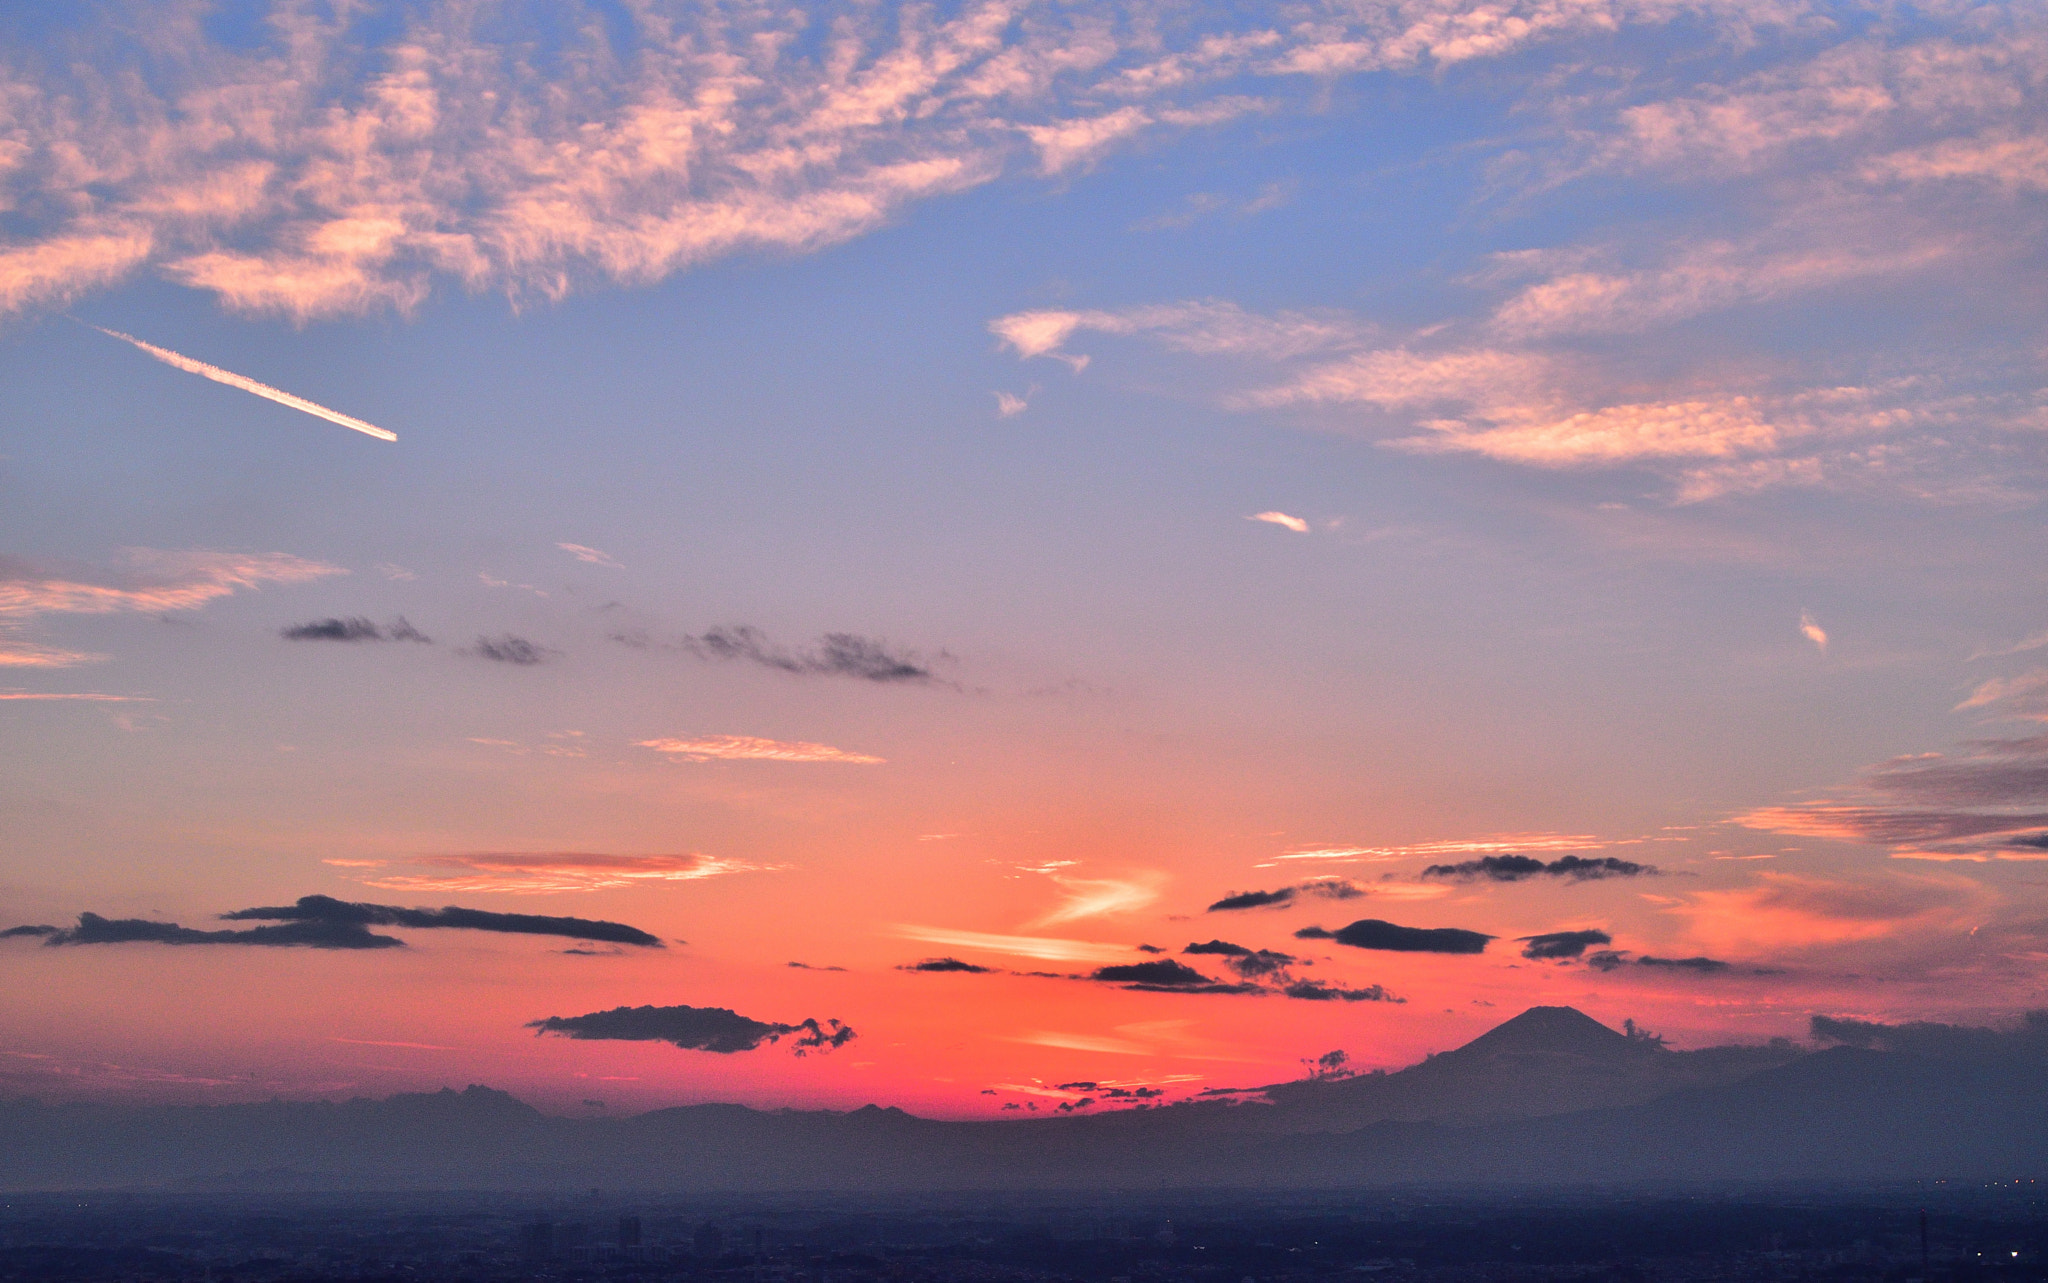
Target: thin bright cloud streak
x=91 y=696
x=1043 y=948
x=591 y=555
x=252 y=386
x=1080 y=1042
x=738 y=748
x=1812 y=631
x=1296 y=524
x=543 y=873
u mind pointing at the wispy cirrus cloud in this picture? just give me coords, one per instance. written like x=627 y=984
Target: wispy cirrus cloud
x=1099 y=897
x=142 y=580
x=536 y=873
x=750 y=748
x=1989 y=801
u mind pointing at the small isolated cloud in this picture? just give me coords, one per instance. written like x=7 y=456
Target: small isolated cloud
x=833 y=655
x=1813 y=632
x=946 y=964
x=1705 y=966
x=509 y=649
x=1253 y=900
x=807 y=966
x=590 y=555
x=328 y=910
x=1296 y=524
x=19 y=933
x=1009 y=405
x=1317 y=991
x=713 y=1029
x=1517 y=868
x=1222 y=948
x=1561 y=944
x=353 y=628
x=1372 y=933
x=748 y=748
x=1607 y=959
x=538 y=873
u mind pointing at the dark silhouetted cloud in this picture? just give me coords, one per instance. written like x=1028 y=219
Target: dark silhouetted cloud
x=714 y=1029
x=1333 y=889
x=1702 y=965
x=353 y=629
x=1262 y=964
x=805 y=966
x=1517 y=868
x=1317 y=991
x=833 y=655
x=1164 y=975
x=1562 y=944
x=1221 y=947
x=1371 y=933
x=1607 y=959
x=508 y=649
x=327 y=909
x=94 y=929
x=14 y=933
x=1321 y=888
x=1253 y=900
x=2027 y=1040
x=1150 y=948
x=945 y=964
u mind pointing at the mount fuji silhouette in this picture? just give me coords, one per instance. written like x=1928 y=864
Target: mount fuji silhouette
x=1550 y=1097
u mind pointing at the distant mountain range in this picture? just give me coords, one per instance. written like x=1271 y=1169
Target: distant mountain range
x=1550 y=1097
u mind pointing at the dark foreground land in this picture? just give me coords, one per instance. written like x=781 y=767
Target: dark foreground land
x=1973 y=1231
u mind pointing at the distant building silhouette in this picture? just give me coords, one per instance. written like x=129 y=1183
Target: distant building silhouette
x=538 y=1239
x=710 y=1240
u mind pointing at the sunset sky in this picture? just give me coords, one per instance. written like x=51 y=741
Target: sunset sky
x=988 y=482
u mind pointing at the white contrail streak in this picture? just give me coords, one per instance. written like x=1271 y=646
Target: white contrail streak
x=264 y=390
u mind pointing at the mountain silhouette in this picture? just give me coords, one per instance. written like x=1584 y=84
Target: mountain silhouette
x=1550 y=1096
